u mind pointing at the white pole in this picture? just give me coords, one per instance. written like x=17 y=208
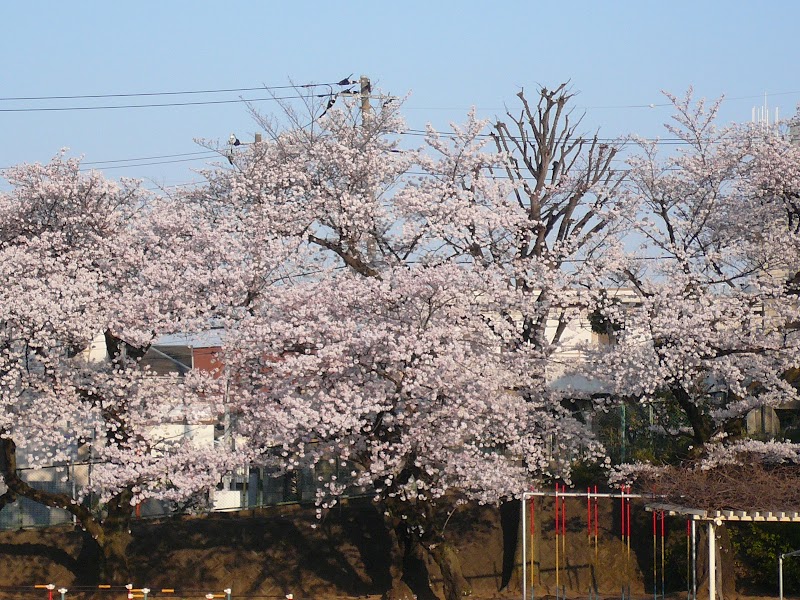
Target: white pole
x=780 y=576
x=712 y=562
x=694 y=559
x=524 y=553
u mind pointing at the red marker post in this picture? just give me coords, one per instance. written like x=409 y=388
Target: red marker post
x=564 y=525
x=663 y=536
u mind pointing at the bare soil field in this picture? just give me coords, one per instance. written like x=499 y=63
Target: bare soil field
x=273 y=552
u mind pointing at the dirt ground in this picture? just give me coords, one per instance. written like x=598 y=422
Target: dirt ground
x=273 y=552
x=259 y=554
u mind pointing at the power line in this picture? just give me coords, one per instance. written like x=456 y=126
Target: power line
x=608 y=106
x=177 y=93
x=343 y=83
x=198 y=156
x=194 y=156
x=505 y=108
x=119 y=160
x=447 y=134
x=159 y=188
x=204 y=154
x=663 y=104
x=135 y=162
x=147 y=164
x=209 y=154
x=156 y=104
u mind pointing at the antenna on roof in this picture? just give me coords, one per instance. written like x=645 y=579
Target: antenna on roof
x=761 y=115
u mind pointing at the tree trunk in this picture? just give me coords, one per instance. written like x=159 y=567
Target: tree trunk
x=701 y=425
x=398 y=547
x=117 y=535
x=509 y=523
x=113 y=557
x=726 y=569
x=409 y=572
x=111 y=535
x=455 y=584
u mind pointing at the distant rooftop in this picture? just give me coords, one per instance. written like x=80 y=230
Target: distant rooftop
x=212 y=338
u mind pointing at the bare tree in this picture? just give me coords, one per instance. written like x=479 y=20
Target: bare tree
x=565 y=184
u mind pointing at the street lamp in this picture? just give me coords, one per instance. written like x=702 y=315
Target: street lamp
x=780 y=570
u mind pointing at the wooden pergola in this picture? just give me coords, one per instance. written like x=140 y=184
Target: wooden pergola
x=713 y=519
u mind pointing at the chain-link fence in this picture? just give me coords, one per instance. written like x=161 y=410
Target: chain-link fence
x=26 y=513
x=247 y=487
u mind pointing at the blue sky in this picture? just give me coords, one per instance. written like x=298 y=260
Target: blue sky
x=448 y=55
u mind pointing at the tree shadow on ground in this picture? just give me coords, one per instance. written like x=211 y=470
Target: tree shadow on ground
x=284 y=551
x=70 y=555
x=269 y=552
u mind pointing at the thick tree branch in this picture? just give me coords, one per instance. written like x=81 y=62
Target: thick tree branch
x=16 y=485
x=351 y=260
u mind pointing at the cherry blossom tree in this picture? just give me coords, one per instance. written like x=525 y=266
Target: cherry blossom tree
x=398 y=304
x=93 y=273
x=704 y=320
x=712 y=323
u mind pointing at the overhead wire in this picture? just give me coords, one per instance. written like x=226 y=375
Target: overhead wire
x=449 y=135
x=136 y=162
x=208 y=154
x=156 y=104
x=110 y=164
x=159 y=188
x=411 y=132
x=343 y=83
x=665 y=104
x=147 y=164
x=603 y=106
x=119 y=160
x=305 y=86
x=173 y=93
x=200 y=155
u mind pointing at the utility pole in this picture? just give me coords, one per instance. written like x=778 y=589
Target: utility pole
x=366 y=112
x=366 y=91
